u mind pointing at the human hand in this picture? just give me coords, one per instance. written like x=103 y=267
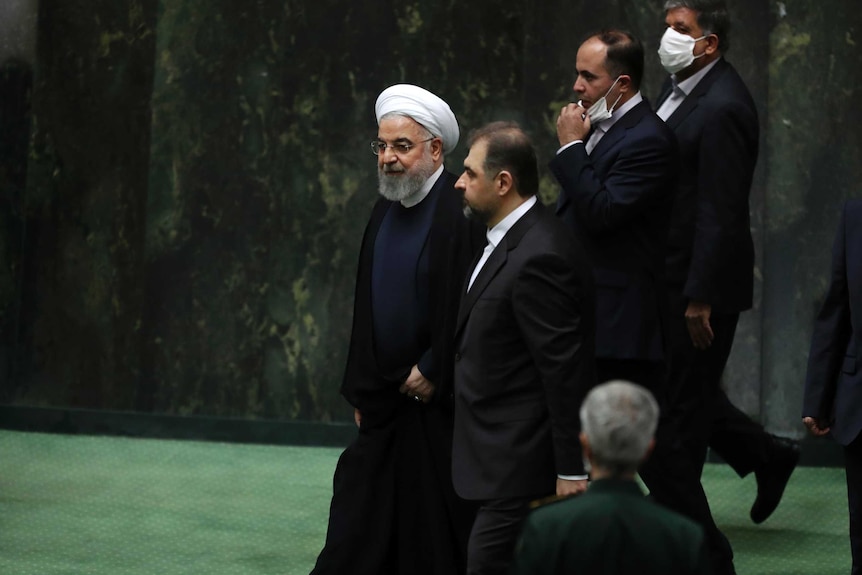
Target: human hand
x=815 y=426
x=572 y=124
x=697 y=319
x=417 y=386
x=568 y=487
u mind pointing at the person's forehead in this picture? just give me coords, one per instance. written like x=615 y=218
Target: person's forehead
x=591 y=56
x=476 y=155
x=681 y=17
x=397 y=126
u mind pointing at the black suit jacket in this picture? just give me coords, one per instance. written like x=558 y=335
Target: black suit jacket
x=524 y=361
x=833 y=385
x=710 y=253
x=618 y=200
x=453 y=241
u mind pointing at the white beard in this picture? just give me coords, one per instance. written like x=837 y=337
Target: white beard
x=398 y=188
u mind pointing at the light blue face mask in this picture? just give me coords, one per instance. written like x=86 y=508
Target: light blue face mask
x=600 y=111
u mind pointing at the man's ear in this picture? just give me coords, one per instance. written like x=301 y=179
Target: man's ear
x=436 y=148
x=585 y=447
x=649 y=450
x=625 y=83
x=711 y=44
x=503 y=182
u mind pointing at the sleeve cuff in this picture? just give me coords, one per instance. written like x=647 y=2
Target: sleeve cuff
x=427 y=366
x=569 y=145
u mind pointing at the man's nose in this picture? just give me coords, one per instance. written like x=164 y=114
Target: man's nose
x=388 y=156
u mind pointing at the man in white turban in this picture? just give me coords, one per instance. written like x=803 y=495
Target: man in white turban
x=422 y=106
x=394 y=509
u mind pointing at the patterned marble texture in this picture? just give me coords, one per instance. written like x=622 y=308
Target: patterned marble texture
x=16 y=82
x=78 y=314
x=260 y=185
x=814 y=162
x=199 y=180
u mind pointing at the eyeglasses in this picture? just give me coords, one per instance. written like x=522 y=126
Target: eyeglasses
x=378 y=147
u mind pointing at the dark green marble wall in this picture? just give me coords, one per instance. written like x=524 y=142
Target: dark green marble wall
x=81 y=218
x=261 y=178
x=199 y=179
x=16 y=82
x=814 y=161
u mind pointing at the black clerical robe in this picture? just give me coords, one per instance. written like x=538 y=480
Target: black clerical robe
x=393 y=508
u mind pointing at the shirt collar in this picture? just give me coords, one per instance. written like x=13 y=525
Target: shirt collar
x=687 y=85
x=422 y=192
x=605 y=125
x=496 y=233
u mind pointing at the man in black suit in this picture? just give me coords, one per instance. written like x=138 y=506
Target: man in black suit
x=394 y=509
x=616 y=168
x=833 y=385
x=524 y=349
x=709 y=267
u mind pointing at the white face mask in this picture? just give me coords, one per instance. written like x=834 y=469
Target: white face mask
x=599 y=111
x=677 y=50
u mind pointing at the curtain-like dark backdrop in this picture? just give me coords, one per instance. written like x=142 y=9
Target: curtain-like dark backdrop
x=185 y=184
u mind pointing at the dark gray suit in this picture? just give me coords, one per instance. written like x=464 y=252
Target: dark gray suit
x=523 y=364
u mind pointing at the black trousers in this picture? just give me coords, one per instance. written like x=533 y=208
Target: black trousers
x=741 y=442
x=691 y=395
x=494 y=535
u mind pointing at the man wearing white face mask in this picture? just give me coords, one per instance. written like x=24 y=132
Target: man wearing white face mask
x=709 y=268
x=616 y=168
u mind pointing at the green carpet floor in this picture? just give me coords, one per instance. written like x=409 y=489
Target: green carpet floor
x=73 y=505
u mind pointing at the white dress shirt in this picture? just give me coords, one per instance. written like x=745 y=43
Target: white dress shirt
x=497 y=233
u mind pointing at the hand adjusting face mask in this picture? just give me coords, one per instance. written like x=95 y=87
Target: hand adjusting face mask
x=599 y=111
x=677 y=50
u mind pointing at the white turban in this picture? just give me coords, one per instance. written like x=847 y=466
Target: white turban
x=424 y=107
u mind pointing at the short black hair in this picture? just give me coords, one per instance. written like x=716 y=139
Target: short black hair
x=625 y=54
x=712 y=17
x=509 y=148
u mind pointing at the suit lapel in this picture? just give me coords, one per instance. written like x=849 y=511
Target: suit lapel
x=608 y=141
x=496 y=262
x=663 y=95
x=618 y=130
x=691 y=101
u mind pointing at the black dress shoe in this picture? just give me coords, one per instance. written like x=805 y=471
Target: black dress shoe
x=772 y=477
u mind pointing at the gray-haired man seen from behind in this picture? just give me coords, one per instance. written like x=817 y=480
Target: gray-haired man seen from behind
x=612 y=528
